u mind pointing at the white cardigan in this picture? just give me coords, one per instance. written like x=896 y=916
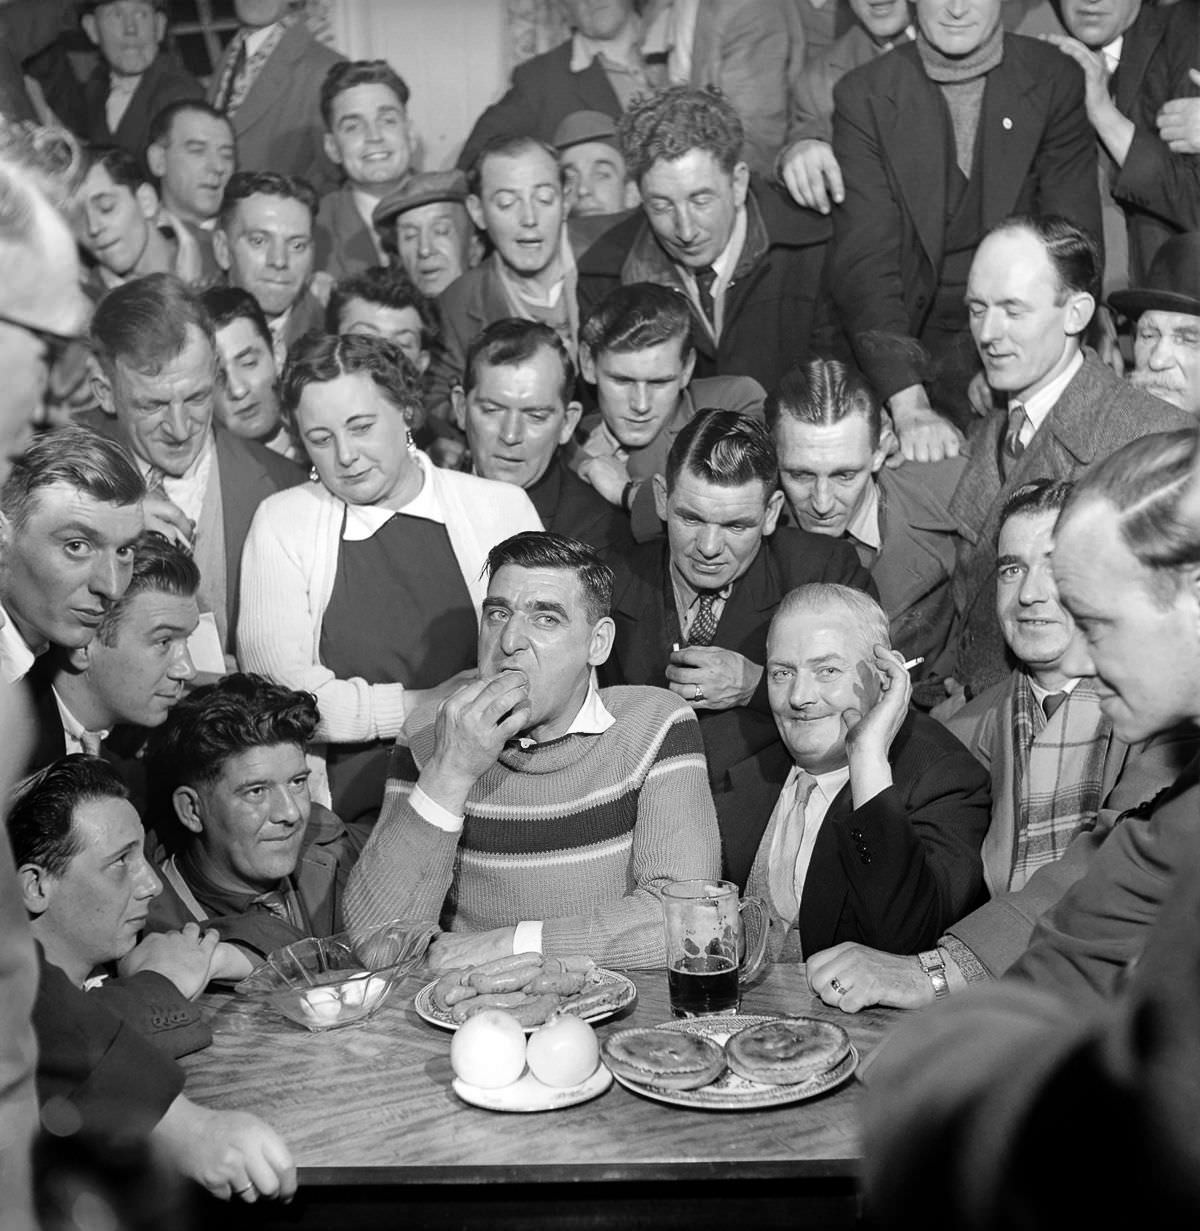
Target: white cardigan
x=288 y=570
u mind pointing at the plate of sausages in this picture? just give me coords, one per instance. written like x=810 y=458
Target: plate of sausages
x=529 y=986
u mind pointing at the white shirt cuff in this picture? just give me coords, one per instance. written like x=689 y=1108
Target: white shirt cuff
x=527 y=936
x=433 y=812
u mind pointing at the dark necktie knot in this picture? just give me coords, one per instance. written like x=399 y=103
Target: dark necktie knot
x=1052 y=703
x=705 y=281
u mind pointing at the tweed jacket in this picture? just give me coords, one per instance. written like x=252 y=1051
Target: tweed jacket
x=279 y=125
x=343 y=242
x=1097 y=413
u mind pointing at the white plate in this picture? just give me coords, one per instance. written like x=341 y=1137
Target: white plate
x=428 y=1009
x=729 y=1092
x=529 y=1094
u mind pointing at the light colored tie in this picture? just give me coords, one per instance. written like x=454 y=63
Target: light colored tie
x=781 y=874
x=90 y=742
x=1017 y=419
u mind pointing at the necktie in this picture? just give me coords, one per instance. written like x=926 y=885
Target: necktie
x=1013 y=448
x=705 y=278
x=1052 y=703
x=231 y=83
x=90 y=742
x=781 y=874
x=704 y=625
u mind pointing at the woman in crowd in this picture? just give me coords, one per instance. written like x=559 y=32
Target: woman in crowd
x=364 y=586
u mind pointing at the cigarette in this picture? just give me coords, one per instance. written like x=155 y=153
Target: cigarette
x=914 y=662
x=676 y=648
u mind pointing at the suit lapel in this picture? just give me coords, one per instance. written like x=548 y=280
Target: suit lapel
x=1141 y=42
x=914 y=137
x=272 y=80
x=1010 y=130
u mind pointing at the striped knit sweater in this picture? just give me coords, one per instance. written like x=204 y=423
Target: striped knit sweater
x=581 y=832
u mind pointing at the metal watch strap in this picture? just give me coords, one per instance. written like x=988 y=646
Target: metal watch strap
x=935 y=968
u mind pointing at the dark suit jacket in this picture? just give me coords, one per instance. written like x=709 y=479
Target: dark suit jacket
x=308 y=312
x=643 y=608
x=543 y=93
x=891 y=874
x=249 y=473
x=279 y=125
x=343 y=243
x=567 y=505
x=769 y=306
x=1037 y=155
x=1097 y=414
x=99 y=1060
x=165 y=81
x=1159 y=191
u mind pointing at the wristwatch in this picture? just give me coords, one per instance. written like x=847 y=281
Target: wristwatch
x=935 y=968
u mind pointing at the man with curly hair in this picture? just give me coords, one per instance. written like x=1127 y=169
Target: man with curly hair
x=746 y=259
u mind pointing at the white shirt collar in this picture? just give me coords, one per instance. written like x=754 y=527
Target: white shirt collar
x=188 y=489
x=1112 y=53
x=16 y=658
x=1040 y=404
x=584 y=51
x=593 y=717
x=1040 y=693
x=365 y=520
x=864 y=525
x=73 y=729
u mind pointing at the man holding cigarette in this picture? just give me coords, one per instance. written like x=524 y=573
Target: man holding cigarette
x=867 y=816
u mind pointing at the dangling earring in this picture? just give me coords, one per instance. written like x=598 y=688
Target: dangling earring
x=409 y=443
x=313 y=476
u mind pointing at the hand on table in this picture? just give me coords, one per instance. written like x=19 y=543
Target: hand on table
x=452 y=950
x=725 y=678
x=185 y=957
x=1179 y=121
x=867 y=977
x=810 y=172
x=232 y=1153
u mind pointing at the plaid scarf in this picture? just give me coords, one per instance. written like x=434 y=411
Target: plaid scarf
x=1058 y=778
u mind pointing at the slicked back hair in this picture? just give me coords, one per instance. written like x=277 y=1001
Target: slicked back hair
x=1072 y=250
x=218 y=721
x=1145 y=482
x=123 y=167
x=159 y=567
x=823 y=392
x=144 y=323
x=246 y=184
x=635 y=317
x=318 y=358
x=165 y=117
x=545 y=549
x=1037 y=496
x=386 y=287
x=508 y=342
x=78 y=458
x=41 y=816
x=226 y=304
x=507 y=146
x=853 y=607
x=670 y=123
x=346 y=74
x=725 y=448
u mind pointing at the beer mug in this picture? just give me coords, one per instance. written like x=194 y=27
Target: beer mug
x=709 y=953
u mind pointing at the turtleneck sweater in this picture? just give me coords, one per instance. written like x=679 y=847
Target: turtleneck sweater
x=962 y=79
x=580 y=832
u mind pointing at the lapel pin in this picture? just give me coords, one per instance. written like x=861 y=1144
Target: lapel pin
x=1007 y=123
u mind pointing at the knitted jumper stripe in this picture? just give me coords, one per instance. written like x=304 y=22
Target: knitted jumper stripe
x=633 y=812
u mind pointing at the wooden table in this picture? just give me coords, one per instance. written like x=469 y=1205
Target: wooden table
x=381 y=1140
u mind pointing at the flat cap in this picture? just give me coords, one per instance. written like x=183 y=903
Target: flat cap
x=422 y=189
x=581 y=126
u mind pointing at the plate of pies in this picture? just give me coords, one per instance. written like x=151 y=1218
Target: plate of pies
x=737 y=1063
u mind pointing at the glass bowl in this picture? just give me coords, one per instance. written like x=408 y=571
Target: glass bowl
x=330 y=981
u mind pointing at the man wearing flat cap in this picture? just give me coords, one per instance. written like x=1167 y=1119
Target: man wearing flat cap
x=424 y=226
x=593 y=167
x=1166 y=346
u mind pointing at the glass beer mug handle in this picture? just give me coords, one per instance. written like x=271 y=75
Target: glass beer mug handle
x=754 y=934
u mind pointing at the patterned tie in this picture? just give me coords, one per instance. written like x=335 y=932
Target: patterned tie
x=1052 y=703
x=704 y=625
x=237 y=71
x=1013 y=448
x=705 y=278
x=781 y=873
